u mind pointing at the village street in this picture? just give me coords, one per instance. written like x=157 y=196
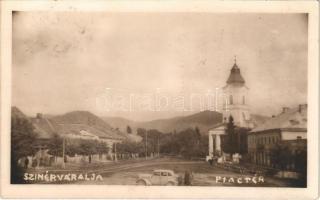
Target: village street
x=126 y=173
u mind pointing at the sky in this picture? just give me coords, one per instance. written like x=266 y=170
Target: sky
x=114 y=64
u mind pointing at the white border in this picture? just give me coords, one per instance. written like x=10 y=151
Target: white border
x=99 y=191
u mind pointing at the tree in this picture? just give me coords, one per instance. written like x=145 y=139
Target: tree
x=72 y=147
x=188 y=143
x=55 y=145
x=229 y=142
x=198 y=135
x=280 y=156
x=129 y=147
x=141 y=132
x=129 y=130
x=23 y=140
x=153 y=135
x=87 y=147
x=102 y=148
x=242 y=140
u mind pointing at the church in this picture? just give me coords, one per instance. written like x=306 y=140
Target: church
x=236 y=105
x=287 y=130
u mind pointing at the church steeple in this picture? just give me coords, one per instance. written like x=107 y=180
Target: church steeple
x=236 y=99
x=235 y=75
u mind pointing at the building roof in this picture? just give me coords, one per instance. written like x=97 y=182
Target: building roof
x=46 y=128
x=235 y=75
x=292 y=119
x=79 y=129
x=257 y=120
x=218 y=125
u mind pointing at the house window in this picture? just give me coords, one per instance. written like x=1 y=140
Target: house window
x=243 y=100
x=230 y=99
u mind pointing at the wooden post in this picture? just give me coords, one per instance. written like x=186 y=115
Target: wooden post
x=146 y=145
x=63 y=152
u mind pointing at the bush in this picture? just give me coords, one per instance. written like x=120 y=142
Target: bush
x=22 y=144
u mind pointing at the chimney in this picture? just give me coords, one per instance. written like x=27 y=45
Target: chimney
x=39 y=115
x=302 y=107
x=285 y=109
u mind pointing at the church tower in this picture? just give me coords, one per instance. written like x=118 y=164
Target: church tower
x=236 y=99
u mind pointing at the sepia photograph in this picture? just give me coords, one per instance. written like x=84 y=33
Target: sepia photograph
x=178 y=99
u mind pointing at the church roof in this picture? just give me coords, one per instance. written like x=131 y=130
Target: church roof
x=235 y=75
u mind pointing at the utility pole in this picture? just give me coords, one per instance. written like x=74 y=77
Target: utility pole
x=63 y=153
x=146 y=145
x=115 y=152
x=158 y=146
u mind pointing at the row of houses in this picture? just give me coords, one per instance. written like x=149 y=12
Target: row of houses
x=71 y=130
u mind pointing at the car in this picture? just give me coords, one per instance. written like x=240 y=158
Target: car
x=159 y=177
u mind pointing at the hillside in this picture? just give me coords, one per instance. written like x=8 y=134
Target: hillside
x=121 y=123
x=203 y=120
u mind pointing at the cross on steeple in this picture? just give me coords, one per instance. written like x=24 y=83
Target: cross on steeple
x=235 y=59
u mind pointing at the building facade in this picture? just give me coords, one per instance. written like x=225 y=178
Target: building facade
x=287 y=131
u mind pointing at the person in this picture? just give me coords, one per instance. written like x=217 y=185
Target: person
x=211 y=161
x=187 y=177
x=26 y=163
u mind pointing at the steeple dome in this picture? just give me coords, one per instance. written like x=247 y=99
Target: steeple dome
x=235 y=75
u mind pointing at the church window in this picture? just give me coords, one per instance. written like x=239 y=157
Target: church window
x=243 y=100
x=231 y=99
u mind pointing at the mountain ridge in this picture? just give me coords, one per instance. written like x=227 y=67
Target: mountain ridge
x=204 y=120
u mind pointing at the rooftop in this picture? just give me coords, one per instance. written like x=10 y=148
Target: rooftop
x=46 y=128
x=235 y=75
x=291 y=118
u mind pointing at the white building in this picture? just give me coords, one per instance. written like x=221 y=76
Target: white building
x=235 y=105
